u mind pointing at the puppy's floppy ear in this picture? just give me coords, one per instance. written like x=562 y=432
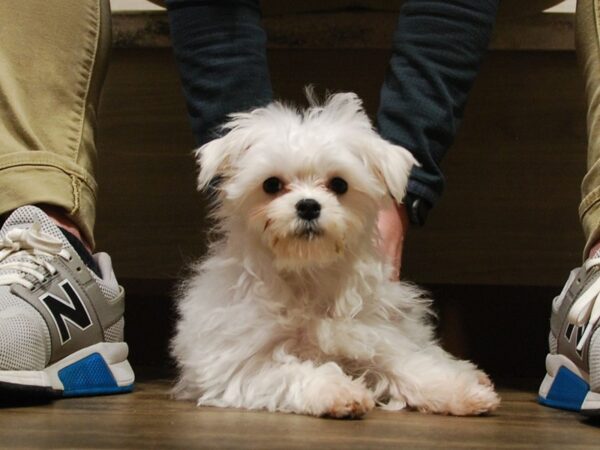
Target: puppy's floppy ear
x=213 y=160
x=216 y=158
x=391 y=164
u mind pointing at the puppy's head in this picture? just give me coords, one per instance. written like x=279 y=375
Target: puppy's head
x=307 y=185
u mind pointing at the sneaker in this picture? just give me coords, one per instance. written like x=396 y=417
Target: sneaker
x=572 y=379
x=61 y=324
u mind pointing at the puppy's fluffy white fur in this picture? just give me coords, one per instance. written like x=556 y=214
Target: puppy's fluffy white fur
x=295 y=315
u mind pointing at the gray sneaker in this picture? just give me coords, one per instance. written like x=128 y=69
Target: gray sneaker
x=572 y=380
x=61 y=325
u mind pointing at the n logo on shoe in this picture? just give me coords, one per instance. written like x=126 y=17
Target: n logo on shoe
x=69 y=309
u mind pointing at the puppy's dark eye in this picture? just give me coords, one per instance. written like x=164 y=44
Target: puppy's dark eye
x=338 y=185
x=272 y=185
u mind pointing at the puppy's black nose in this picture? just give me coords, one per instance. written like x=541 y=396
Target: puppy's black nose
x=308 y=209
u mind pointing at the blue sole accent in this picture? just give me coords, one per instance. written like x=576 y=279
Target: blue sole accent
x=90 y=376
x=568 y=391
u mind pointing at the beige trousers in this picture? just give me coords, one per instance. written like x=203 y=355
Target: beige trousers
x=53 y=59
x=588 y=51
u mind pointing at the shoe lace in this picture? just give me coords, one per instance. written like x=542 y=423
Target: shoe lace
x=585 y=311
x=29 y=251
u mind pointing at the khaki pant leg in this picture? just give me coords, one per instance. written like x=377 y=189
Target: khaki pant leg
x=588 y=49
x=53 y=59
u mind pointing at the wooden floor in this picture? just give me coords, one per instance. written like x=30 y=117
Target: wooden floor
x=149 y=419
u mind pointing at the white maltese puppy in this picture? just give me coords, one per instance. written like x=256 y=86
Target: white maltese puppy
x=294 y=309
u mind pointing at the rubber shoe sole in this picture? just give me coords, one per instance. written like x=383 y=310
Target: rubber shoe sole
x=100 y=369
x=566 y=387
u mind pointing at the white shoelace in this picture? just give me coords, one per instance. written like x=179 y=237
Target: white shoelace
x=585 y=311
x=33 y=248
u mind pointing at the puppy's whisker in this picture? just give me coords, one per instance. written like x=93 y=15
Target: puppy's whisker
x=257 y=212
x=267 y=224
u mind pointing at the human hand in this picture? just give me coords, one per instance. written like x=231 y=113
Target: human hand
x=392 y=222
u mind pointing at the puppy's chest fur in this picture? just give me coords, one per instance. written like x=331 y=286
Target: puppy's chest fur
x=329 y=319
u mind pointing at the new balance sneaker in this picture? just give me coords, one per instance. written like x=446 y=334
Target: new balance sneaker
x=572 y=380
x=61 y=324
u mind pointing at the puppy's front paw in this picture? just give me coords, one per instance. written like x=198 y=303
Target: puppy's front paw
x=339 y=397
x=345 y=407
x=483 y=378
x=474 y=395
x=480 y=397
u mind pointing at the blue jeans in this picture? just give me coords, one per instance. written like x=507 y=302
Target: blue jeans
x=220 y=47
x=437 y=49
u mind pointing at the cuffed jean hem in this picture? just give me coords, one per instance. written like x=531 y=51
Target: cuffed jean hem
x=422 y=190
x=45 y=178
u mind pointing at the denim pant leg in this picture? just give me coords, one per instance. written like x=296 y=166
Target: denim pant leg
x=220 y=48
x=437 y=49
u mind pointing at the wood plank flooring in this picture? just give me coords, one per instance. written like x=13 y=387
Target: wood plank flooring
x=148 y=418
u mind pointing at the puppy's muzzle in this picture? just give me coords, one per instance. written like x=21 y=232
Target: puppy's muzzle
x=308 y=209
